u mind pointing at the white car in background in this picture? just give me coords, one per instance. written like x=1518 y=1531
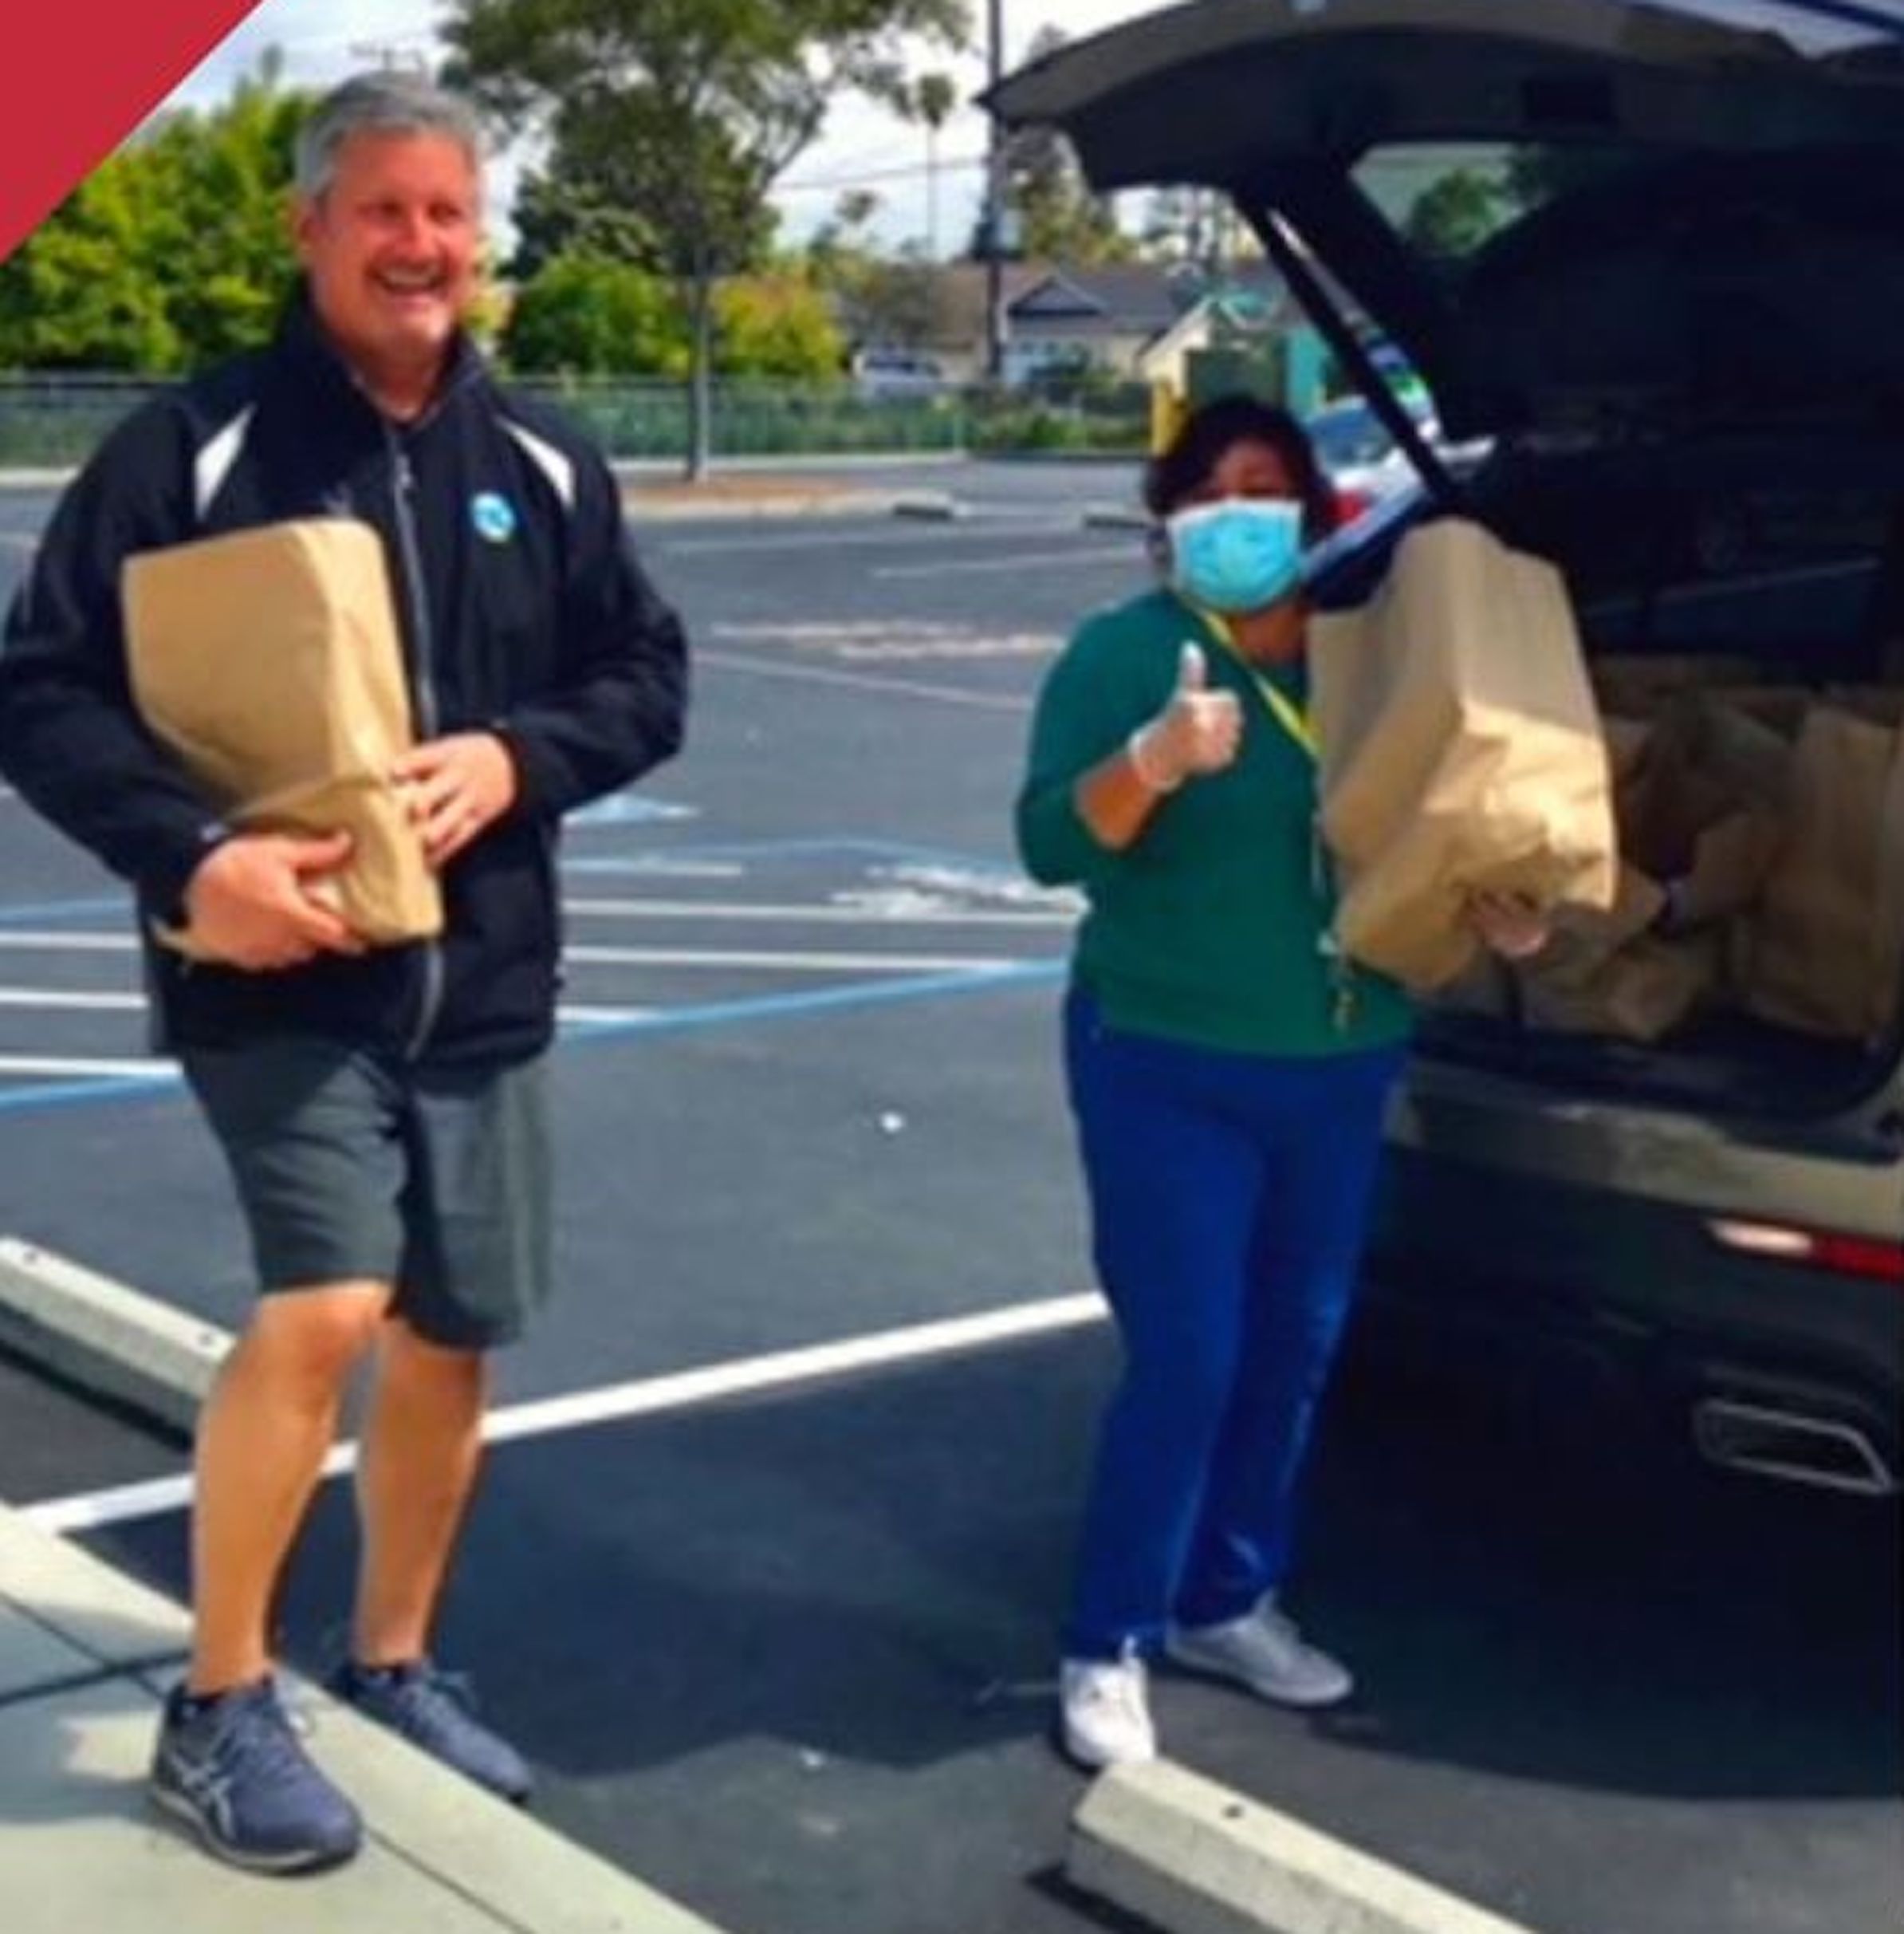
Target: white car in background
x=898 y=372
x=1357 y=450
x=1363 y=460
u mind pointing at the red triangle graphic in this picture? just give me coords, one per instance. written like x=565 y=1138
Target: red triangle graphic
x=78 y=77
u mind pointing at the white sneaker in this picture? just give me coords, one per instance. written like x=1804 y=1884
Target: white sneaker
x=1104 y=1711
x=1263 y=1651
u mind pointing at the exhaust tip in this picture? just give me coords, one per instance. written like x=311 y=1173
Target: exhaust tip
x=1791 y=1447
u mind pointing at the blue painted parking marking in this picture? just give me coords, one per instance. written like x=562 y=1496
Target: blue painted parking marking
x=19 y=915
x=854 y=866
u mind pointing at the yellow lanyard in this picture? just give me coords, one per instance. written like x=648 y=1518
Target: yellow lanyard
x=1295 y=722
x=1286 y=713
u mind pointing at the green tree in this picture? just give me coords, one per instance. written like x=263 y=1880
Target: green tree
x=171 y=254
x=582 y=315
x=934 y=97
x=1536 y=176
x=686 y=112
x=838 y=252
x=1456 y=214
x=778 y=326
x=894 y=302
x=555 y=215
x=1059 y=219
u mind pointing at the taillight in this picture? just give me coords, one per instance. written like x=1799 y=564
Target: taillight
x=1351 y=504
x=1846 y=1255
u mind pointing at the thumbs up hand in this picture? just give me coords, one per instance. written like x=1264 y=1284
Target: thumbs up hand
x=1198 y=732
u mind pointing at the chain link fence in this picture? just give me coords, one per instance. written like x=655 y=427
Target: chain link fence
x=54 y=421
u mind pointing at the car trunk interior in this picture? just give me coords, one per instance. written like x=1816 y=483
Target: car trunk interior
x=1754 y=576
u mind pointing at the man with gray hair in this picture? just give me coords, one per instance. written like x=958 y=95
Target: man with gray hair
x=380 y=1107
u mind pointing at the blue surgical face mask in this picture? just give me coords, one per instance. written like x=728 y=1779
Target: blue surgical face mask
x=1241 y=554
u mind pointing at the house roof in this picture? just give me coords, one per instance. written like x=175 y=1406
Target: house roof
x=1133 y=298
x=1142 y=299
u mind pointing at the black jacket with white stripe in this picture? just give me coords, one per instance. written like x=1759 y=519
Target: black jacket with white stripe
x=522 y=609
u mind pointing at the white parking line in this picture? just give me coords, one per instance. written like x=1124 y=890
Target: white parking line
x=819 y=674
x=620 y=956
x=649 y=1397
x=866 y=916
x=1124 y=554
x=58 y=998
x=71 y=1065
x=34 y=940
x=786 y=963
x=879 y=537
x=63 y=997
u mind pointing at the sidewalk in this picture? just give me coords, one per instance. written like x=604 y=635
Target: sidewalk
x=655 y=494
x=655 y=497
x=83 y=1653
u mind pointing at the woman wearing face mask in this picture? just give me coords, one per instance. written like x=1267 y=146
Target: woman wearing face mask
x=1227 y=1070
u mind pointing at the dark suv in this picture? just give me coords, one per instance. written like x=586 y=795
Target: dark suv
x=1668 y=327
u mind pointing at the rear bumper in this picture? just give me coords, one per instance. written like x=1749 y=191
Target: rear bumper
x=1604 y=1300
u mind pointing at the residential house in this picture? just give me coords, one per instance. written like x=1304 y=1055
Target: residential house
x=1100 y=319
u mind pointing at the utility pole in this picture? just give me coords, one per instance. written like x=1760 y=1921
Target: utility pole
x=390 y=56
x=993 y=226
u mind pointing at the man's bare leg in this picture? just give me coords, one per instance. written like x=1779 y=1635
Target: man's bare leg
x=262 y=1441
x=416 y=1470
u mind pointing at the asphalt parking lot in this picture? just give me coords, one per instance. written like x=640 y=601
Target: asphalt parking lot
x=778 y=1638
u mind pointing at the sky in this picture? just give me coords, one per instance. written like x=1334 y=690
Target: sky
x=322 y=41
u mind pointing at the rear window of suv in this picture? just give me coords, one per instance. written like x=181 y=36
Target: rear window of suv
x=1450 y=200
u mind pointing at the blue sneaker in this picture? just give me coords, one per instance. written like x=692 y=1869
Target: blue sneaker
x=435 y=1710
x=235 y=1772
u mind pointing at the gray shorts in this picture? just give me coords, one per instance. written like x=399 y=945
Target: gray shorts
x=352 y=1167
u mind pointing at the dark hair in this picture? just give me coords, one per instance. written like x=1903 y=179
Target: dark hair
x=1207 y=435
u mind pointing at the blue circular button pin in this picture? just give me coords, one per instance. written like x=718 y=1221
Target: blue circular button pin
x=494 y=516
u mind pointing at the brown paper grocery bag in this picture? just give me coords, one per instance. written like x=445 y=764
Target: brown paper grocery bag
x=1605 y=973
x=1732 y=860
x=1824 y=948
x=1640 y=685
x=1706 y=759
x=269 y=660
x=1641 y=992
x=1461 y=751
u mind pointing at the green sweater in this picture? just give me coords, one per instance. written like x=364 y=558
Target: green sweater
x=1206 y=929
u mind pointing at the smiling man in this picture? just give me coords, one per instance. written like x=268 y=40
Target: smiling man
x=380 y=1107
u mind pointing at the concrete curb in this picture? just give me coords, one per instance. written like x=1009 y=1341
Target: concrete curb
x=440 y=1855
x=1195 y=1857
x=939 y=506
x=659 y=505
x=732 y=493
x=109 y=1339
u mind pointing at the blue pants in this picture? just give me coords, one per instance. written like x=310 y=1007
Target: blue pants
x=1229 y=1197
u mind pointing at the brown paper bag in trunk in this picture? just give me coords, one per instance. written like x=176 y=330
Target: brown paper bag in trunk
x=1641 y=992
x=1642 y=685
x=1603 y=973
x=1824 y=951
x=270 y=661
x=1732 y=860
x=1461 y=751
x=1705 y=759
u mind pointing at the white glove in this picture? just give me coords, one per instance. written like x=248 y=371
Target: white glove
x=1509 y=924
x=1198 y=731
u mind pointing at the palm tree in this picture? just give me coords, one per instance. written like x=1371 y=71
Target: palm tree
x=934 y=97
